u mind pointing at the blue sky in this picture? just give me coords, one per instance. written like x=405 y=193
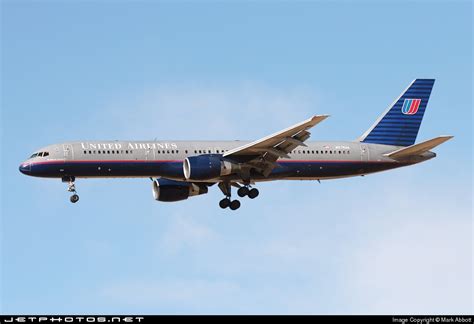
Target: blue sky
x=395 y=242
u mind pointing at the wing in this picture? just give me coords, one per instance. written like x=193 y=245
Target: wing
x=263 y=153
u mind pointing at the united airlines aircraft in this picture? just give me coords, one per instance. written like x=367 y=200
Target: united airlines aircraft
x=183 y=169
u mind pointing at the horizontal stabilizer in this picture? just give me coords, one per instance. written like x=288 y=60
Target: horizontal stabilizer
x=419 y=148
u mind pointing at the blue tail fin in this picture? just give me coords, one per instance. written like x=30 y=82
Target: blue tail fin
x=399 y=125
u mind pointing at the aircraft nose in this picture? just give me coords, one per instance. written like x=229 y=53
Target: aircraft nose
x=25 y=168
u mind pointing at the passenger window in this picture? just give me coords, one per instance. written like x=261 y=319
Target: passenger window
x=90 y=152
x=199 y=151
x=177 y=151
x=339 y=152
x=299 y=152
x=186 y=151
x=330 y=152
x=317 y=152
x=113 y=152
x=93 y=152
x=167 y=152
x=172 y=151
x=85 y=152
x=108 y=152
x=98 y=152
x=312 y=152
x=126 y=152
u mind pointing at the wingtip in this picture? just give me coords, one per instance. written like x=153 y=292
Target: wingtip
x=448 y=137
x=320 y=116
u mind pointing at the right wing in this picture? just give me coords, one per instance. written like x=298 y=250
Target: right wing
x=263 y=153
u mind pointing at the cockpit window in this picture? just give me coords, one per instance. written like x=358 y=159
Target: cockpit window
x=39 y=154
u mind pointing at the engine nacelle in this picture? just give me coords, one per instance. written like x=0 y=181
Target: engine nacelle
x=206 y=167
x=170 y=190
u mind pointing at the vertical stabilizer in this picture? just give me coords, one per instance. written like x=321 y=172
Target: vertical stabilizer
x=400 y=123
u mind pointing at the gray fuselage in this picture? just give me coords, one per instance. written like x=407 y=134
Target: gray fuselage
x=316 y=161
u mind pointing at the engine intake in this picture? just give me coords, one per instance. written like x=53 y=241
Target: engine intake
x=170 y=190
x=206 y=167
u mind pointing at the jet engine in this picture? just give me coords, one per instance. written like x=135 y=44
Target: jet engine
x=206 y=167
x=170 y=190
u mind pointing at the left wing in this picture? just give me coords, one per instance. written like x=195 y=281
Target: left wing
x=263 y=153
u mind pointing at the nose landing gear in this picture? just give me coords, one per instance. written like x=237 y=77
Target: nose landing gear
x=74 y=198
x=71 y=187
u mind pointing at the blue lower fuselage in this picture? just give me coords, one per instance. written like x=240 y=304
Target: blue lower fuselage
x=287 y=169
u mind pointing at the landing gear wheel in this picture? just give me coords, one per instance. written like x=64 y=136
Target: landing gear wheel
x=235 y=204
x=253 y=193
x=243 y=191
x=224 y=203
x=74 y=198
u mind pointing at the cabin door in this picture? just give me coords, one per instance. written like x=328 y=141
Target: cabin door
x=68 y=152
x=364 y=152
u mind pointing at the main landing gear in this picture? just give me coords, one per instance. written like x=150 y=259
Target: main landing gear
x=226 y=202
x=242 y=192
x=246 y=191
x=71 y=187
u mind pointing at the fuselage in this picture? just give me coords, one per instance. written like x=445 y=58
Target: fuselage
x=316 y=161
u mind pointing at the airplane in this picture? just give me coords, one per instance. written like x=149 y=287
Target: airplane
x=183 y=169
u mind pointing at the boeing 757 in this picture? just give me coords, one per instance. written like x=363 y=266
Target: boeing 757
x=183 y=169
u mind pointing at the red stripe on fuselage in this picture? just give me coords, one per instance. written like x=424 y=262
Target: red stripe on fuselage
x=331 y=161
x=104 y=161
x=180 y=161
